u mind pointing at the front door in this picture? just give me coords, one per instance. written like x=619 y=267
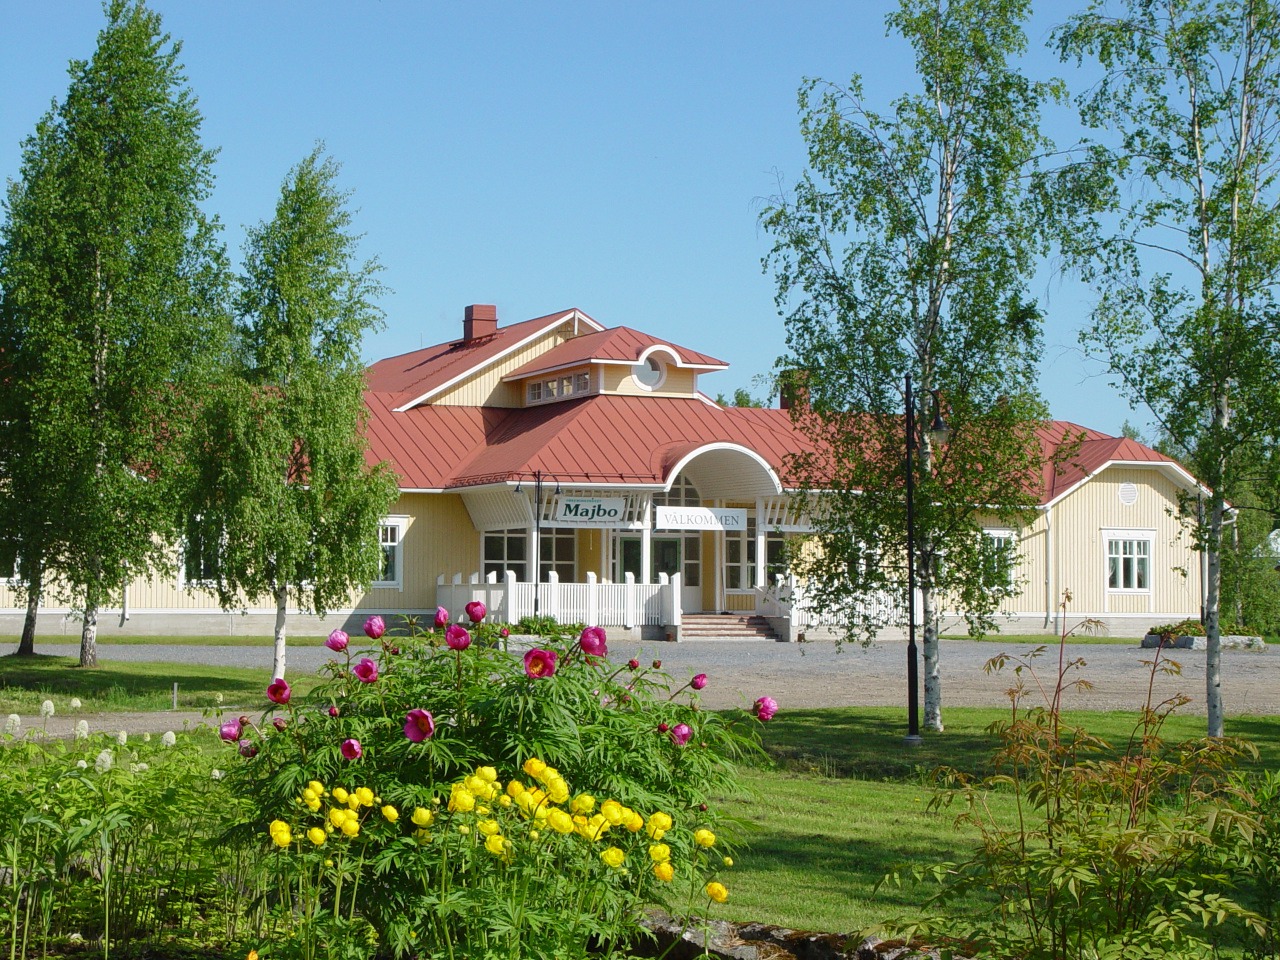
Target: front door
x=667 y=555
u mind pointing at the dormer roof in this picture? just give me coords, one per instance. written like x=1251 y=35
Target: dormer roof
x=617 y=345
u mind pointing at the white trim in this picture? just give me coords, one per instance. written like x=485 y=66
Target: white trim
x=709 y=447
x=646 y=365
x=574 y=315
x=1138 y=535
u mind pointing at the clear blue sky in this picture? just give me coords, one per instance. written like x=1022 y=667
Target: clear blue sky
x=607 y=156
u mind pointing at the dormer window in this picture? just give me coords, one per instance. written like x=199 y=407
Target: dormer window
x=649 y=374
x=557 y=388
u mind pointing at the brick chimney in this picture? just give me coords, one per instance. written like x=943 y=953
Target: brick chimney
x=479 y=320
x=793 y=390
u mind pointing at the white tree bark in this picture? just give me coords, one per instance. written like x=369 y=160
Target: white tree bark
x=89 y=637
x=277 y=665
x=932 y=673
x=1213 y=621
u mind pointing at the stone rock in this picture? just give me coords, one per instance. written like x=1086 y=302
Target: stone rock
x=1229 y=642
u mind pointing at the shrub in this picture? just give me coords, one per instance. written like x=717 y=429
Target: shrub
x=441 y=795
x=1112 y=853
x=1184 y=628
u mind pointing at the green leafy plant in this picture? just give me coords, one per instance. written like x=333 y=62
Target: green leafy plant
x=1110 y=855
x=443 y=795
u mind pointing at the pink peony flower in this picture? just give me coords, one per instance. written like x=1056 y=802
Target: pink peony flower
x=374 y=627
x=699 y=681
x=456 y=637
x=419 y=725
x=504 y=633
x=366 y=670
x=442 y=617
x=657 y=664
x=539 y=663
x=592 y=642
x=633 y=664
x=337 y=641
x=230 y=731
x=663 y=727
x=248 y=749
x=765 y=708
x=280 y=723
x=333 y=711
x=351 y=749
x=680 y=734
x=278 y=691
x=475 y=611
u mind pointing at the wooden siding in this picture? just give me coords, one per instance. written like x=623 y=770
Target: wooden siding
x=486 y=389
x=617 y=379
x=440 y=539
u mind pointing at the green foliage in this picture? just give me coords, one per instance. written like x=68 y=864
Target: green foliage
x=907 y=248
x=1109 y=855
x=283 y=498
x=111 y=316
x=1184 y=243
x=543 y=626
x=1255 y=863
x=513 y=754
x=1183 y=628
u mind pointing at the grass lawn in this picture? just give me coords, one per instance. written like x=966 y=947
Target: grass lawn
x=847 y=804
x=116 y=640
x=128 y=687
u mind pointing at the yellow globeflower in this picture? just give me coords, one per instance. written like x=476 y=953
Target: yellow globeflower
x=422 y=836
x=489 y=828
x=422 y=817
x=659 y=852
x=533 y=767
x=282 y=838
x=596 y=827
x=339 y=795
x=613 y=811
x=487 y=774
x=317 y=787
x=338 y=816
x=728 y=861
x=613 y=857
x=583 y=803
x=704 y=838
x=634 y=822
x=717 y=892
x=504 y=801
x=548 y=774
x=495 y=844
x=313 y=804
x=391 y=813
x=365 y=796
x=559 y=821
x=460 y=801
x=558 y=790
x=659 y=823
x=515 y=788
x=353 y=801
x=317 y=836
x=664 y=871
x=351 y=826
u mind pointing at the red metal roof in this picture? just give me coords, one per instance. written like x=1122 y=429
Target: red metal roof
x=617 y=345
x=413 y=375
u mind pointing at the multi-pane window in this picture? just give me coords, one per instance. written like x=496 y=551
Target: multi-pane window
x=8 y=565
x=200 y=558
x=1002 y=557
x=506 y=550
x=572 y=385
x=389 y=539
x=558 y=547
x=740 y=560
x=1128 y=563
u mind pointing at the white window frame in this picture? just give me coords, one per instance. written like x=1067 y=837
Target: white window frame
x=649 y=366
x=1136 y=536
x=191 y=583
x=1006 y=533
x=399 y=524
x=10 y=581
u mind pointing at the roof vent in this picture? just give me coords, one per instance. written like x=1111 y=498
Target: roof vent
x=479 y=320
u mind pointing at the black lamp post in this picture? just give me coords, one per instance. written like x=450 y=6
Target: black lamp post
x=537 y=531
x=938 y=433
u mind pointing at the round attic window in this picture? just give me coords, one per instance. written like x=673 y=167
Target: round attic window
x=650 y=374
x=1128 y=494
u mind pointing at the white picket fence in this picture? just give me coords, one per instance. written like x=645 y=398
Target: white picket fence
x=786 y=598
x=628 y=604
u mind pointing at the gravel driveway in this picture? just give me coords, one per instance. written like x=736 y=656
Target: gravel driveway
x=808 y=675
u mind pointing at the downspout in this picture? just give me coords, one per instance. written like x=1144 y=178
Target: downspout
x=1050 y=607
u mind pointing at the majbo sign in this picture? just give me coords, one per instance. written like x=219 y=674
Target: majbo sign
x=589 y=510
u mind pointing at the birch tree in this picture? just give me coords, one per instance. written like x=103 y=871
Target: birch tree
x=284 y=500
x=906 y=248
x=111 y=314
x=1186 y=256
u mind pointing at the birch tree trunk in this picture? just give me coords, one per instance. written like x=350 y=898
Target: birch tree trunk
x=89 y=636
x=277 y=665
x=1213 y=620
x=932 y=673
x=35 y=587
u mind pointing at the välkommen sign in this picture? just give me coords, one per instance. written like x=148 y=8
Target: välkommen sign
x=701 y=518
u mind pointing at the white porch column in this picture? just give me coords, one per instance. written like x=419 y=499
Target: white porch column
x=646 y=540
x=593 y=600
x=509 y=612
x=761 y=578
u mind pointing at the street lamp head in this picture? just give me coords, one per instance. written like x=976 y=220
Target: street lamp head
x=939 y=432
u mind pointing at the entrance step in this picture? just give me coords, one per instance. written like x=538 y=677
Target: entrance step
x=725 y=626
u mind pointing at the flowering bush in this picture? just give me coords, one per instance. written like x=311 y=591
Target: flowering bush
x=442 y=795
